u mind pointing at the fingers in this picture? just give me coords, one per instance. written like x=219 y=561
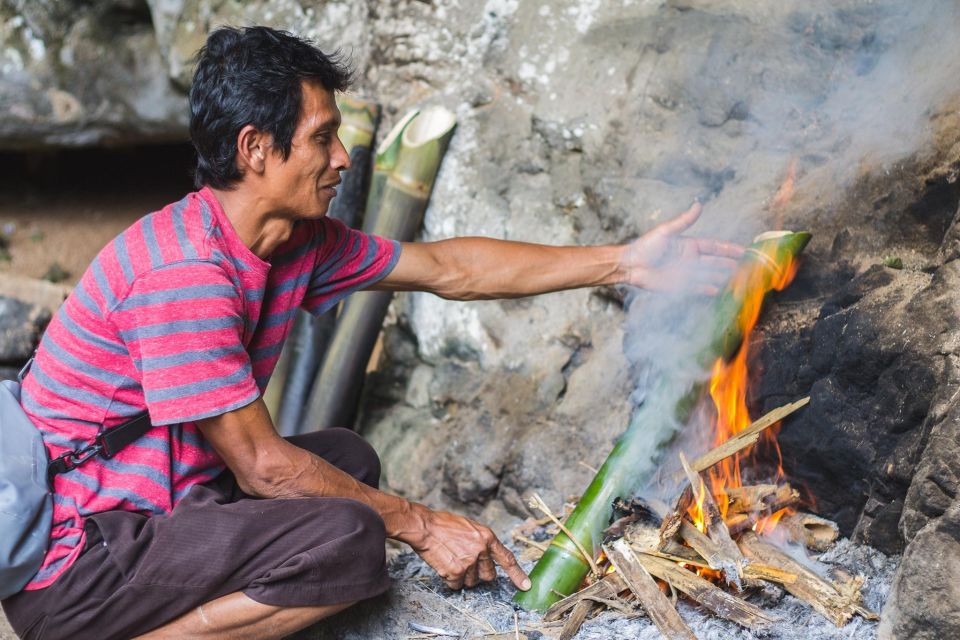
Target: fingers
x=505 y=559
x=471 y=578
x=683 y=221
x=487 y=569
x=708 y=246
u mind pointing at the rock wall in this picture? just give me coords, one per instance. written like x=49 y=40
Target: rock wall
x=588 y=121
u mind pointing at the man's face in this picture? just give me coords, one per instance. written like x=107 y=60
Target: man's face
x=303 y=184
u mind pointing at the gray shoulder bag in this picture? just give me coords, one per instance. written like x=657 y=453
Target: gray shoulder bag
x=26 y=474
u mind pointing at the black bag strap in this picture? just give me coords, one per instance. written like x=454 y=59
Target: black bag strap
x=106 y=445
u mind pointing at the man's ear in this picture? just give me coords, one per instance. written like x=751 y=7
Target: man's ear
x=252 y=148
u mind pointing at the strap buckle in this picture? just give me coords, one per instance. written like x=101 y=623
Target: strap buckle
x=69 y=460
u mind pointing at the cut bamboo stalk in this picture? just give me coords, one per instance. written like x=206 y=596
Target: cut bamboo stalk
x=336 y=390
x=820 y=594
x=765 y=265
x=609 y=586
x=747 y=437
x=311 y=334
x=812 y=531
x=641 y=583
x=718 y=601
x=727 y=555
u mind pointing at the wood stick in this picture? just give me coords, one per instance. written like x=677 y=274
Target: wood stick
x=727 y=555
x=576 y=619
x=760 y=571
x=828 y=600
x=813 y=531
x=747 y=437
x=608 y=587
x=641 y=583
x=702 y=544
x=710 y=596
x=692 y=561
x=749 y=498
x=742 y=521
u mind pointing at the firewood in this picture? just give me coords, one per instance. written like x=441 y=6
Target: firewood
x=727 y=555
x=749 y=498
x=760 y=571
x=747 y=437
x=836 y=605
x=576 y=619
x=812 y=531
x=740 y=522
x=641 y=583
x=702 y=544
x=710 y=596
x=611 y=585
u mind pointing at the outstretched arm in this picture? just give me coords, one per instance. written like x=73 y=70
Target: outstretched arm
x=483 y=268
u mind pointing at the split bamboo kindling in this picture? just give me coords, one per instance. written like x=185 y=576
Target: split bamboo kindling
x=562 y=568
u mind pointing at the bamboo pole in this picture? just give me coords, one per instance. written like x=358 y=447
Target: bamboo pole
x=403 y=200
x=311 y=334
x=561 y=569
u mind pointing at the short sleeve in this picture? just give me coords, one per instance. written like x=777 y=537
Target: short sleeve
x=347 y=260
x=183 y=325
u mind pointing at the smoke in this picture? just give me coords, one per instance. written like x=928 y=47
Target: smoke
x=838 y=88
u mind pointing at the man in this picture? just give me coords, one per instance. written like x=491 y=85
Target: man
x=211 y=525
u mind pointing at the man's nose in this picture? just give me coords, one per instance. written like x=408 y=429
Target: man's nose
x=340 y=159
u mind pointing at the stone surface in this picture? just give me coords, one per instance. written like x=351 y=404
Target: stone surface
x=75 y=73
x=21 y=325
x=925 y=600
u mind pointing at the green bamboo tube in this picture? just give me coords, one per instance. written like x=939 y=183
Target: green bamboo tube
x=310 y=334
x=402 y=202
x=562 y=569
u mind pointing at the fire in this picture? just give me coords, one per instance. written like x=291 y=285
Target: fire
x=728 y=389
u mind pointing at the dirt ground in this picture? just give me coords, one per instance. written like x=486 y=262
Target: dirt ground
x=58 y=211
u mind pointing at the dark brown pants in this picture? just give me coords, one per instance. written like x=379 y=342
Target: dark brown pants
x=137 y=572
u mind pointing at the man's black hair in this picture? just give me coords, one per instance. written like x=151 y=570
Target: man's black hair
x=252 y=76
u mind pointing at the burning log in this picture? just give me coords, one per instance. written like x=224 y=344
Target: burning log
x=656 y=604
x=710 y=596
x=747 y=437
x=785 y=497
x=836 y=604
x=753 y=498
x=726 y=555
x=812 y=531
x=402 y=202
x=767 y=264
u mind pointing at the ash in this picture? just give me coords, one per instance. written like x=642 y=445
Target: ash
x=420 y=596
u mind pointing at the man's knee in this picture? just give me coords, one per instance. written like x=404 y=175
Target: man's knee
x=363 y=538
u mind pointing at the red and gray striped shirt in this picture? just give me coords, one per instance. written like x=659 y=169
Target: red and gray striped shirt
x=179 y=317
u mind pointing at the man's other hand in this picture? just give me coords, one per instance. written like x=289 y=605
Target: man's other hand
x=664 y=260
x=464 y=552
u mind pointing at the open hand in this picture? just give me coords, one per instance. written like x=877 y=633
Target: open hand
x=464 y=552
x=663 y=260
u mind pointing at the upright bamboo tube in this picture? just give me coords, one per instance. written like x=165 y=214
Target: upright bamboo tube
x=311 y=334
x=561 y=569
x=403 y=199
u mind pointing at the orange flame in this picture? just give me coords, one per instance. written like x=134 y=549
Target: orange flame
x=729 y=383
